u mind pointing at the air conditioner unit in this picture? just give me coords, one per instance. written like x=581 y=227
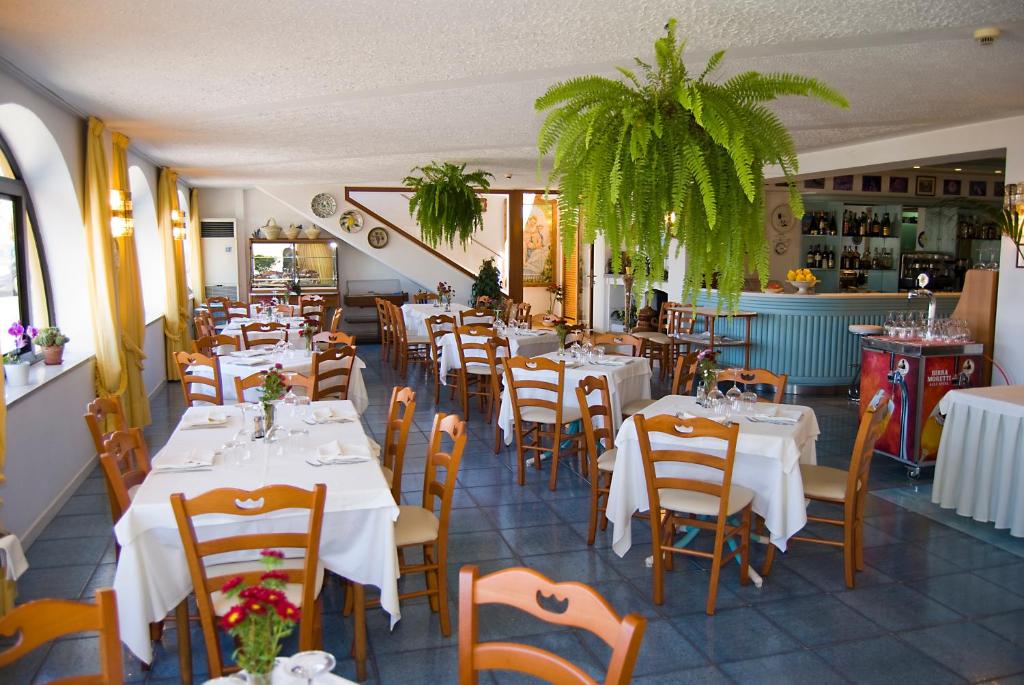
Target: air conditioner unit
x=220 y=262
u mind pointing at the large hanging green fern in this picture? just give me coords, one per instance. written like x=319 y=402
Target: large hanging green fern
x=445 y=203
x=628 y=155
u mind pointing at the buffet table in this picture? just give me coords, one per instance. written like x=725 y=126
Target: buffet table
x=980 y=470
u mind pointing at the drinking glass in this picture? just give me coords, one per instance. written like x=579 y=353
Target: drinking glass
x=733 y=394
x=598 y=354
x=310 y=664
x=749 y=401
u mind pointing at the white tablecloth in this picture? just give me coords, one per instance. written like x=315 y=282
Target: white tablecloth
x=980 y=468
x=520 y=345
x=766 y=462
x=627 y=382
x=416 y=316
x=358 y=540
x=234 y=327
x=299 y=361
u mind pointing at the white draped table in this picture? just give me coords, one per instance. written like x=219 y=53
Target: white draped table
x=416 y=316
x=358 y=540
x=767 y=459
x=521 y=344
x=294 y=323
x=980 y=465
x=629 y=379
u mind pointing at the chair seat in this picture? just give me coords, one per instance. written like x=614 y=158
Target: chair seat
x=417 y=340
x=606 y=462
x=415 y=526
x=654 y=337
x=389 y=475
x=544 y=415
x=703 y=504
x=222 y=603
x=636 y=406
x=824 y=482
x=480 y=369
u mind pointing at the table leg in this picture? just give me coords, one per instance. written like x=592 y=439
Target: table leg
x=359 y=630
x=746 y=345
x=184 y=642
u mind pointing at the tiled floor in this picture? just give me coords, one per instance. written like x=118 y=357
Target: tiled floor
x=934 y=605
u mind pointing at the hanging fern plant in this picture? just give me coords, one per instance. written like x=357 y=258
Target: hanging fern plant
x=445 y=203
x=667 y=155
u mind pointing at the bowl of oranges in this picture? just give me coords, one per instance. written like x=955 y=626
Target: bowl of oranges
x=802 y=279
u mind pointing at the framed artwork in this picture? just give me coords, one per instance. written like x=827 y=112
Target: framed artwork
x=925 y=186
x=871 y=184
x=998 y=189
x=814 y=184
x=899 y=184
x=951 y=186
x=540 y=231
x=976 y=188
x=842 y=183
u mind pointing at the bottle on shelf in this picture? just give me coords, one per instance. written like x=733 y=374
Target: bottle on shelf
x=831 y=259
x=876 y=225
x=809 y=260
x=862 y=226
x=822 y=223
x=832 y=228
x=846 y=222
x=805 y=223
x=886 y=225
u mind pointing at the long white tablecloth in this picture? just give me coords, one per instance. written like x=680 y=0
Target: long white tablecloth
x=234 y=327
x=767 y=456
x=980 y=467
x=520 y=345
x=629 y=381
x=416 y=316
x=358 y=539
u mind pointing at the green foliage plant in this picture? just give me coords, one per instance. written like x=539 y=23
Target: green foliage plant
x=666 y=155
x=487 y=283
x=445 y=203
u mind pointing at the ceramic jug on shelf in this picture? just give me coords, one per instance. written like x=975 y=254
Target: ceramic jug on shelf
x=270 y=230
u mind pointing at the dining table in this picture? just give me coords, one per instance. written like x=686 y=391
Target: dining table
x=294 y=324
x=773 y=441
x=521 y=343
x=629 y=379
x=207 y=451
x=416 y=316
x=979 y=470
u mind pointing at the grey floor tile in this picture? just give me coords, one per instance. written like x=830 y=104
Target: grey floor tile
x=66 y=582
x=969 y=649
x=970 y=595
x=1009 y=626
x=582 y=565
x=735 y=634
x=907 y=561
x=706 y=675
x=1007 y=577
x=544 y=539
x=794 y=668
x=898 y=607
x=67 y=552
x=426 y=667
x=819 y=620
x=885 y=661
x=664 y=649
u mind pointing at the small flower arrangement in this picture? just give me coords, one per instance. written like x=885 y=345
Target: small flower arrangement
x=445 y=293
x=50 y=337
x=262 y=617
x=707 y=369
x=273 y=387
x=22 y=337
x=308 y=330
x=556 y=292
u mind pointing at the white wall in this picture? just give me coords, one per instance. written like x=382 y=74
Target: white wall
x=1009 y=310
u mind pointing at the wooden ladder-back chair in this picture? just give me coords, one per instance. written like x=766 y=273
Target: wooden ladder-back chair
x=212 y=345
x=125 y=463
x=754 y=377
x=294 y=380
x=473 y=342
x=520 y=311
x=253 y=380
x=438 y=326
x=237 y=310
x=46 y=620
x=313 y=311
x=332 y=372
x=680 y=320
x=680 y=493
x=264 y=334
x=104 y=416
x=424 y=297
x=396 y=434
x=618 y=341
x=848 y=489
x=596 y=407
x=408 y=348
x=337 y=319
x=326 y=340
x=538 y=411
x=188 y=364
x=478 y=315
x=657 y=343
x=218 y=309
x=304 y=575
x=203 y=324
x=524 y=589
x=385 y=328
x=284 y=309
x=682 y=383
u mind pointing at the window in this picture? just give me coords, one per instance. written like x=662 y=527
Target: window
x=24 y=293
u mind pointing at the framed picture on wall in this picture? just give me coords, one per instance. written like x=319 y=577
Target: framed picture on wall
x=899 y=184
x=998 y=189
x=814 y=184
x=540 y=231
x=842 y=182
x=952 y=186
x=976 y=188
x=871 y=184
x=925 y=186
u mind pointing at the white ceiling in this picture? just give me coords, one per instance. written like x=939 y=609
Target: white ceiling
x=272 y=91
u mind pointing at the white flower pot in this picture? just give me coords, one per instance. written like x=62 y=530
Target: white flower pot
x=17 y=374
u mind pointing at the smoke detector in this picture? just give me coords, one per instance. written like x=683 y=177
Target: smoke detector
x=986 y=35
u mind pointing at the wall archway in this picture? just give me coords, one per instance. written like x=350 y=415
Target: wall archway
x=147 y=243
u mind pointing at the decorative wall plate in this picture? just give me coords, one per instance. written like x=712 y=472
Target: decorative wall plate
x=782 y=219
x=351 y=221
x=324 y=205
x=781 y=246
x=378 y=237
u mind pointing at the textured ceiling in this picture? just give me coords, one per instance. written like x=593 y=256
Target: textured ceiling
x=238 y=93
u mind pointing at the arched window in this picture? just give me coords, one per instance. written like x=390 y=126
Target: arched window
x=24 y=286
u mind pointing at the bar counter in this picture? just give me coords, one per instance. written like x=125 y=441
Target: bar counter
x=807 y=336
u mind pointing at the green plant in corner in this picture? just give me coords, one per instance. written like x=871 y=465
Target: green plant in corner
x=445 y=203
x=669 y=155
x=487 y=283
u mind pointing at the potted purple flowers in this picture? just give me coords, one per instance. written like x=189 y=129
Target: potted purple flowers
x=16 y=369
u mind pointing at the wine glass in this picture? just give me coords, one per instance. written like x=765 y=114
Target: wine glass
x=310 y=664
x=715 y=396
x=598 y=354
x=732 y=396
x=749 y=401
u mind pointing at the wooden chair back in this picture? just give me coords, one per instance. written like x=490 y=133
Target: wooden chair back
x=327 y=339
x=616 y=341
x=336 y=319
x=436 y=491
x=598 y=429
x=715 y=484
x=384 y=319
x=473 y=352
x=477 y=315
x=103 y=416
x=396 y=321
x=679 y=320
x=684 y=373
x=520 y=311
x=125 y=463
x=247 y=504
x=332 y=372
x=424 y=297
x=313 y=311
x=537 y=595
x=212 y=345
x=747 y=377
x=525 y=376
x=873 y=422
x=311 y=301
x=396 y=434
x=284 y=309
x=253 y=380
x=439 y=326
x=294 y=380
x=236 y=310
x=188 y=362
x=204 y=324
x=264 y=334
x=45 y=620
x=218 y=308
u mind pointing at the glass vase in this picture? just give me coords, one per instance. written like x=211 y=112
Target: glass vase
x=258 y=678
x=268 y=417
x=447 y=304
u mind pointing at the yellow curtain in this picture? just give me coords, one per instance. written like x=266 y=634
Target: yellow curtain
x=195 y=248
x=316 y=257
x=130 y=310
x=110 y=376
x=176 y=331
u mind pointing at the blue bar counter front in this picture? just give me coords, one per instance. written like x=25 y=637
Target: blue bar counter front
x=807 y=336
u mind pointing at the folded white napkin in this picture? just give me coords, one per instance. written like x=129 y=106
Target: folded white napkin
x=777 y=415
x=332 y=415
x=687 y=415
x=212 y=419
x=12 y=556
x=195 y=461
x=335 y=452
x=251 y=361
x=611 y=361
x=248 y=353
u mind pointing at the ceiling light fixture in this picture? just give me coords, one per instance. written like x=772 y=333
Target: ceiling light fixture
x=986 y=35
x=957 y=169
x=998 y=171
x=917 y=166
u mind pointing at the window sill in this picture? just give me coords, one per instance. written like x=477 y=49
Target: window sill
x=40 y=375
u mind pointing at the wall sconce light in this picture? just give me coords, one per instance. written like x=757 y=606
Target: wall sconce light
x=334 y=245
x=177 y=224
x=122 y=222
